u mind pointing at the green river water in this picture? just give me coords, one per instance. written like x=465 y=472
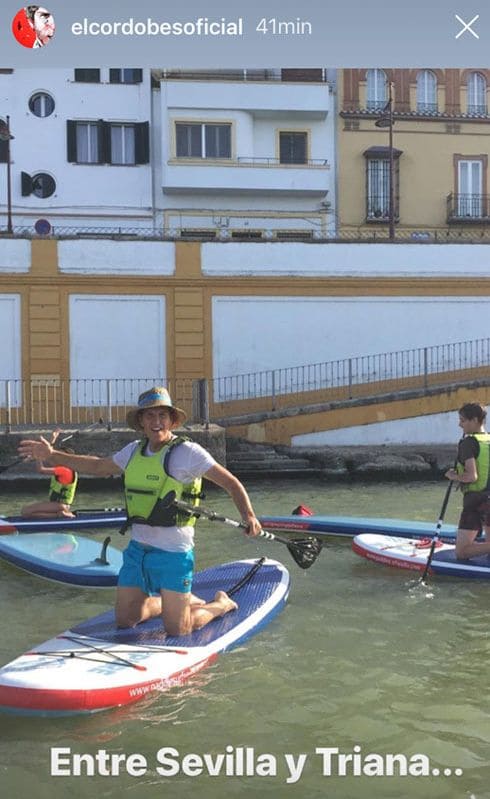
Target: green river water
x=362 y=660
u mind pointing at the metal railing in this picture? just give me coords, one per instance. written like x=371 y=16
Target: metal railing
x=83 y=401
x=357 y=376
x=476 y=234
x=106 y=401
x=468 y=208
x=264 y=161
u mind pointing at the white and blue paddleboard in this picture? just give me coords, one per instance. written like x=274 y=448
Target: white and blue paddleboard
x=64 y=558
x=405 y=554
x=349 y=526
x=96 y=666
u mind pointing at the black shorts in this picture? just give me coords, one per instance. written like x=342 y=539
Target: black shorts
x=476 y=511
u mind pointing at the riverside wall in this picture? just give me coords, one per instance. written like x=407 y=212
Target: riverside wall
x=248 y=460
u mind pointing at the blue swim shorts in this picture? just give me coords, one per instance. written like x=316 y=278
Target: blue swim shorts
x=154 y=570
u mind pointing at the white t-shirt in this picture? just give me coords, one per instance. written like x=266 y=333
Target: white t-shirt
x=187 y=462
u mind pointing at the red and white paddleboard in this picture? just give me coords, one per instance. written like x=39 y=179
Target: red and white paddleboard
x=96 y=666
x=403 y=553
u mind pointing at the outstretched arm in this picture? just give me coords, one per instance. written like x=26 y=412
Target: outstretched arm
x=225 y=479
x=42 y=450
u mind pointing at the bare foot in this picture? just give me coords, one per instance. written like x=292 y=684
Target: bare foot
x=226 y=603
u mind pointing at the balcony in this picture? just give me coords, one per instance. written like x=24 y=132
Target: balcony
x=247 y=174
x=261 y=99
x=468 y=209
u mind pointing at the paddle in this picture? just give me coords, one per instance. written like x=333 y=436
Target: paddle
x=304 y=551
x=437 y=533
x=88 y=511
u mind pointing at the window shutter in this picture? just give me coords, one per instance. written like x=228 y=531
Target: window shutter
x=4 y=149
x=71 y=141
x=137 y=75
x=104 y=142
x=26 y=184
x=114 y=76
x=142 y=143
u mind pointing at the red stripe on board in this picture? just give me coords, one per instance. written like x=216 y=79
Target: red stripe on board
x=52 y=700
x=7 y=529
x=387 y=560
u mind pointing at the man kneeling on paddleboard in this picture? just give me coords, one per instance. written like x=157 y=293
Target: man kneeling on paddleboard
x=157 y=570
x=473 y=475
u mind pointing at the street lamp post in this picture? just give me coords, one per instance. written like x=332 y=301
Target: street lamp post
x=386 y=121
x=5 y=135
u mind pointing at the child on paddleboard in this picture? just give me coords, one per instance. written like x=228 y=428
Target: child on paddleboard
x=61 y=490
x=473 y=475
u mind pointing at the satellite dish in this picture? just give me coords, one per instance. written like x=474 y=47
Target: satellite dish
x=42 y=227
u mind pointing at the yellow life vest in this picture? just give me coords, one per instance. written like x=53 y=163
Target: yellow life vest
x=147 y=484
x=482 y=465
x=65 y=493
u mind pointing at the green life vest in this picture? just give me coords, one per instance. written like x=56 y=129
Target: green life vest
x=63 y=493
x=147 y=483
x=482 y=465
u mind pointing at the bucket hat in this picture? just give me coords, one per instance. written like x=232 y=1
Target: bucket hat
x=156 y=397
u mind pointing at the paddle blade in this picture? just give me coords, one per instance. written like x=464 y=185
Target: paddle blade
x=305 y=551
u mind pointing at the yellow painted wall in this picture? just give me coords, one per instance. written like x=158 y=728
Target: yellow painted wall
x=45 y=293
x=426 y=166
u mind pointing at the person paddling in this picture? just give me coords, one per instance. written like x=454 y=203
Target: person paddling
x=62 y=490
x=473 y=475
x=156 y=576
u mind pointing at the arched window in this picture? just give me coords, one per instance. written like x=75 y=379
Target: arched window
x=376 y=89
x=477 y=94
x=426 y=92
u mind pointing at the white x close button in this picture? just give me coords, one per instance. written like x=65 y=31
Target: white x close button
x=466 y=26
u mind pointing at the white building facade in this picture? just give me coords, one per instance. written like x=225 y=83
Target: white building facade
x=247 y=155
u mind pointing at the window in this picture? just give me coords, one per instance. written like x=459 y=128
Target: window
x=122 y=144
x=376 y=89
x=125 y=75
x=426 y=92
x=196 y=140
x=41 y=185
x=41 y=104
x=100 y=142
x=378 y=184
x=470 y=188
x=477 y=94
x=87 y=75
x=88 y=142
x=293 y=147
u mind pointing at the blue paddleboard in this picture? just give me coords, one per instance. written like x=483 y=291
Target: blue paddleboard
x=96 y=666
x=64 y=558
x=349 y=526
x=100 y=519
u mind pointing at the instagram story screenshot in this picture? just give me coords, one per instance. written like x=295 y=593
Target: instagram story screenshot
x=244 y=288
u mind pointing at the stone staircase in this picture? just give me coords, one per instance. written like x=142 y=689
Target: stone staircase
x=248 y=460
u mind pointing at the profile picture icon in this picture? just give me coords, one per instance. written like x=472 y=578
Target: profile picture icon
x=33 y=26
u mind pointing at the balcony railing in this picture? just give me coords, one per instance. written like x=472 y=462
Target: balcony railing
x=255 y=161
x=468 y=208
x=306 y=75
